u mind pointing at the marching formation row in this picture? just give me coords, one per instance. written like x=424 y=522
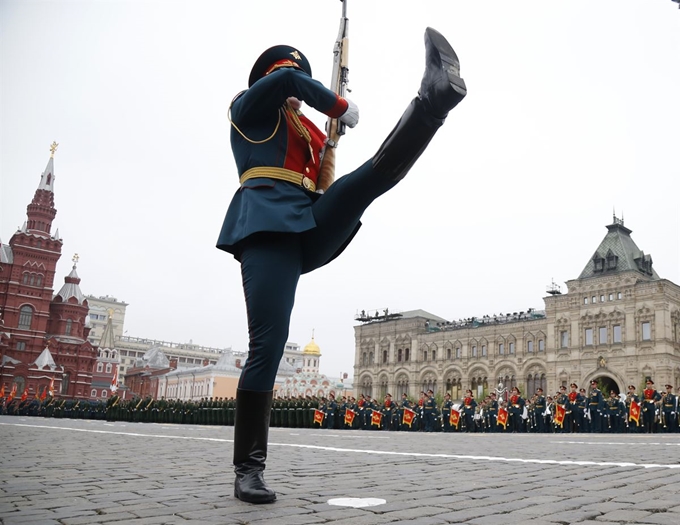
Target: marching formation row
x=575 y=411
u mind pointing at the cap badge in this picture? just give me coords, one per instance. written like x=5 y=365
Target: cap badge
x=296 y=55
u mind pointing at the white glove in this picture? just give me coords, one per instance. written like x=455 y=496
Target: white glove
x=351 y=115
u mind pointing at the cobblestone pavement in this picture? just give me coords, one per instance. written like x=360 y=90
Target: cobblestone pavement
x=70 y=472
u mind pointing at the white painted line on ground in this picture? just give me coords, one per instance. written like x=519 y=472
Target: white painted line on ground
x=611 y=443
x=374 y=452
x=357 y=503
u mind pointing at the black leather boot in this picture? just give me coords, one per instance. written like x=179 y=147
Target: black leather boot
x=440 y=91
x=251 y=432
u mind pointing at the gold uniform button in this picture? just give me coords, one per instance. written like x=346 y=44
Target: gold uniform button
x=306 y=183
x=306 y=170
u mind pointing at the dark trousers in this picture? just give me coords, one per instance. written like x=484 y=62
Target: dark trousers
x=272 y=263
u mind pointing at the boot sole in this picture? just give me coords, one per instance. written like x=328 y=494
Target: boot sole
x=450 y=62
x=255 y=500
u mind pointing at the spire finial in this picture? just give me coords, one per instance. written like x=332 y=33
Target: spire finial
x=75 y=259
x=53 y=148
x=312 y=333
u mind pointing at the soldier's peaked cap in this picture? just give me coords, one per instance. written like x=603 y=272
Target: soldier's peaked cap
x=278 y=54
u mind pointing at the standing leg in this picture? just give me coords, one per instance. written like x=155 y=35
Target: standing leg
x=270 y=267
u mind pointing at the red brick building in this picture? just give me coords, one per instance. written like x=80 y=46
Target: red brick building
x=143 y=379
x=43 y=335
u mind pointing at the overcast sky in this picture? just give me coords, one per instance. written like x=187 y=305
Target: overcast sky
x=573 y=109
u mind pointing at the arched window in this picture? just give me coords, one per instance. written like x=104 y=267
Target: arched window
x=25 y=317
x=384 y=356
x=406 y=354
x=108 y=368
x=39 y=280
x=424 y=355
x=364 y=359
x=24 y=279
x=69 y=325
x=400 y=355
x=448 y=353
x=104 y=393
x=64 y=383
x=32 y=280
x=371 y=358
x=100 y=367
x=459 y=353
x=93 y=393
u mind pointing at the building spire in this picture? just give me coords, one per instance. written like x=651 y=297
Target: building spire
x=53 y=148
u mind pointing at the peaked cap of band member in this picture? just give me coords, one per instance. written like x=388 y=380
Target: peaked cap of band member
x=276 y=54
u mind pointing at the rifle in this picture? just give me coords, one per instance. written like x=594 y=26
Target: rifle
x=339 y=80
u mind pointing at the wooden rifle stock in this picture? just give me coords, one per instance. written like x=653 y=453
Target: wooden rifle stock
x=334 y=128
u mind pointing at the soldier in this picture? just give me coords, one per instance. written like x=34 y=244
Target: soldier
x=429 y=406
x=515 y=409
x=582 y=414
x=668 y=409
x=614 y=413
x=595 y=407
x=447 y=405
x=573 y=409
x=650 y=397
x=331 y=408
x=561 y=400
x=387 y=410
x=278 y=228
x=539 y=411
x=469 y=406
x=632 y=425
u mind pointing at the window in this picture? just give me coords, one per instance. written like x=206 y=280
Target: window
x=646 y=331
x=617 y=333
x=564 y=339
x=589 y=336
x=602 y=339
x=530 y=346
x=459 y=353
x=24 y=280
x=448 y=353
x=39 y=280
x=25 y=317
x=100 y=367
x=501 y=348
x=20 y=382
x=611 y=296
x=585 y=300
x=602 y=298
x=406 y=354
x=424 y=355
x=69 y=325
x=384 y=356
x=21 y=345
x=399 y=355
x=474 y=351
x=594 y=299
x=93 y=393
x=104 y=393
x=541 y=345
x=483 y=350
x=512 y=348
x=619 y=295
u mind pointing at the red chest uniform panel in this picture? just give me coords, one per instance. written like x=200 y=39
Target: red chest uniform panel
x=300 y=158
x=572 y=396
